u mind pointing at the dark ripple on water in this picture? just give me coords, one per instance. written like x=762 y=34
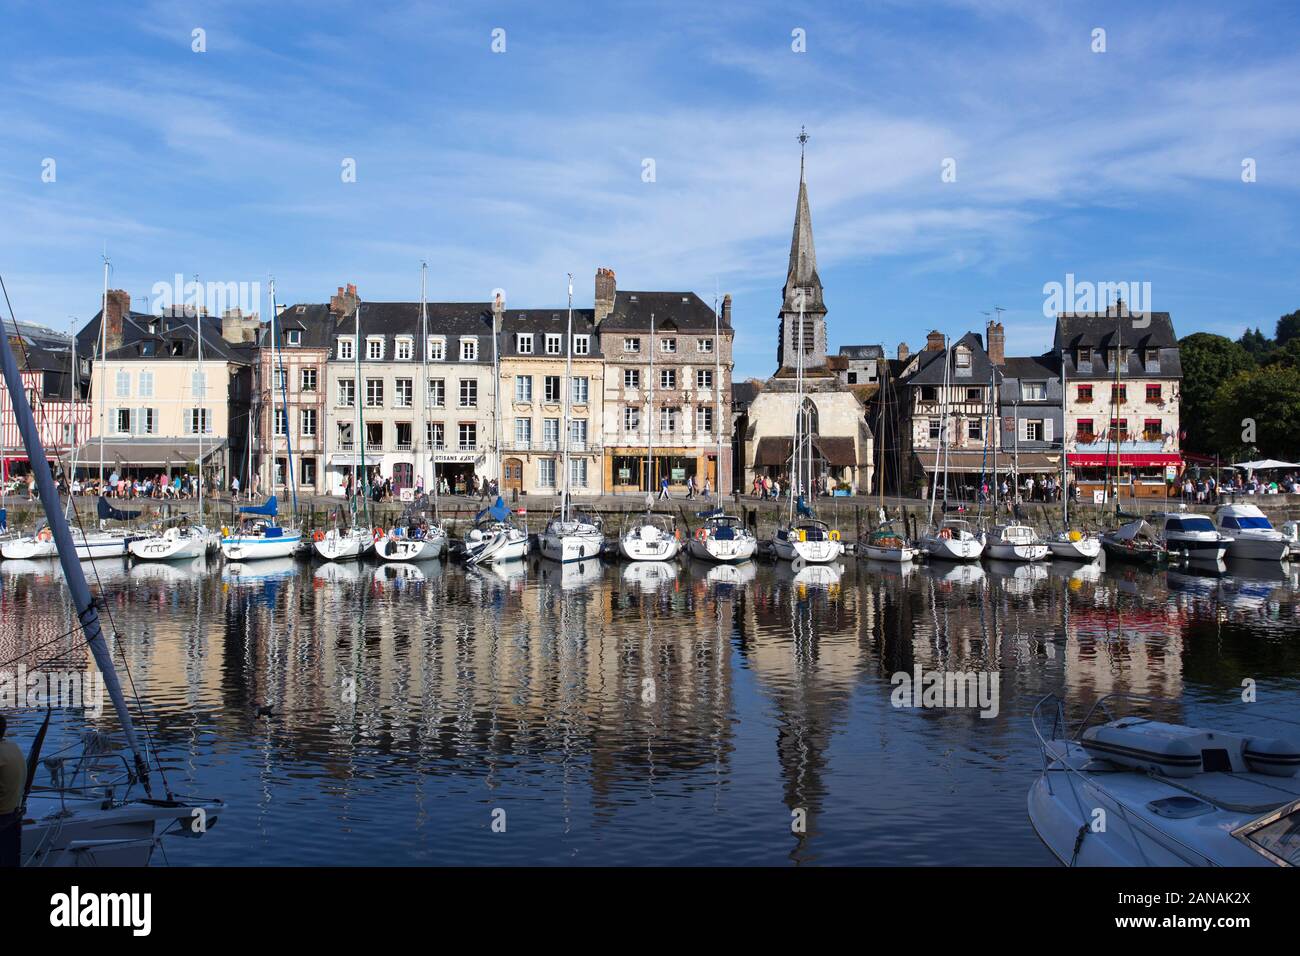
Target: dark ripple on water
x=619 y=717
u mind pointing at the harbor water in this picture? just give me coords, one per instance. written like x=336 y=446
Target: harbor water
x=606 y=713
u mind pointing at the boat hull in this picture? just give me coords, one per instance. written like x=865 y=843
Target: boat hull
x=259 y=548
x=953 y=549
x=400 y=550
x=1085 y=549
x=1001 y=551
x=570 y=547
x=636 y=547
x=1258 y=549
x=894 y=555
x=740 y=548
x=196 y=544
x=810 y=552
x=341 y=547
x=496 y=548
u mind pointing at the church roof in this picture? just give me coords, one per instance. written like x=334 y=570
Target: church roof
x=802 y=271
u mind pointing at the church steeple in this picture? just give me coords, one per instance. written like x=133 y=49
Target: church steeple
x=801 y=280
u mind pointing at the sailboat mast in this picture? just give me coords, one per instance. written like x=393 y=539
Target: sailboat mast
x=87 y=612
x=568 y=388
x=717 y=401
x=421 y=439
x=202 y=381
x=650 y=418
x=103 y=388
x=275 y=383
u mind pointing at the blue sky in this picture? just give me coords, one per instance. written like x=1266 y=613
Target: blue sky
x=507 y=170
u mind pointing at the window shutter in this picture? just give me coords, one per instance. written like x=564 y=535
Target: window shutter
x=1022 y=426
x=1047 y=430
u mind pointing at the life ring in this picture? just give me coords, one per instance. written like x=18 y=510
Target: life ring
x=835 y=536
x=701 y=534
x=945 y=534
x=318 y=535
x=45 y=535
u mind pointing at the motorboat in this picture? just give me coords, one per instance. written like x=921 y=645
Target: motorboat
x=1250 y=534
x=1075 y=545
x=722 y=537
x=259 y=536
x=651 y=537
x=889 y=542
x=1134 y=542
x=341 y=544
x=953 y=540
x=1167 y=794
x=1190 y=536
x=1014 y=542
x=495 y=538
x=182 y=542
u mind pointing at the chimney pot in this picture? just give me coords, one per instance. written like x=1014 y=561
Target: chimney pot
x=903 y=351
x=934 y=341
x=606 y=290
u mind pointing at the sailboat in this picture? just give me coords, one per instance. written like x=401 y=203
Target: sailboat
x=951 y=539
x=722 y=537
x=803 y=537
x=415 y=537
x=340 y=542
x=1073 y=544
x=889 y=541
x=92 y=812
x=654 y=537
x=570 y=537
x=260 y=535
x=494 y=537
x=184 y=541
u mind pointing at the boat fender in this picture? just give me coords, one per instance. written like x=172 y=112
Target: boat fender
x=378 y=533
x=803 y=535
x=677 y=533
x=946 y=534
x=225 y=532
x=1141 y=751
x=1076 y=537
x=1276 y=758
x=318 y=535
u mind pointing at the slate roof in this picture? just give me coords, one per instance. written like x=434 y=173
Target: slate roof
x=1101 y=331
x=539 y=322
x=316 y=323
x=931 y=371
x=454 y=320
x=1032 y=368
x=855 y=353
x=139 y=342
x=684 y=311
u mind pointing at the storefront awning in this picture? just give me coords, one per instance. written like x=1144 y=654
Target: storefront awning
x=776 y=451
x=980 y=462
x=148 y=452
x=1134 y=460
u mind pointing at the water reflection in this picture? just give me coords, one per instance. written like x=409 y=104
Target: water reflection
x=679 y=713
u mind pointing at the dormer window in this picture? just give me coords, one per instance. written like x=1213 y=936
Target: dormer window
x=374 y=348
x=554 y=343
x=961 y=361
x=524 y=343
x=345 y=348
x=582 y=345
x=1083 y=359
x=437 y=348
x=469 y=349
x=295 y=336
x=404 y=348
x=177 y=349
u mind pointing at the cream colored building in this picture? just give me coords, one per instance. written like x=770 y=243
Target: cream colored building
x=535 y=346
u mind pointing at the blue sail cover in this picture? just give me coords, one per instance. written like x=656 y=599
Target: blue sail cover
x=712 y=513
x=270 y=509
x=498 y=511
x=108 y=512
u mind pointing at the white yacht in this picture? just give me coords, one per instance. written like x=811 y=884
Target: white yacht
x=722 y=537
x=1014 y=542
x=1075 y=545
x=1191 y=535
x=413 y=543
x=495 y=538
x=1250 y=535
x=1169 y=794
x=652 y=537
x=808 y=540
x=182 y=542
x=259 y=537
x=953 y=540
x=341 y=544
x=889 y=542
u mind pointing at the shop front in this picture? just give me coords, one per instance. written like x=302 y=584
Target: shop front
x=1100 y=476
x=628 y=469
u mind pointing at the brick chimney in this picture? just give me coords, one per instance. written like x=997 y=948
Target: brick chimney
x=605 y=291
x=903 y=351
x=238 y=328
x=498 y=313
x=934 y=341
x=726 y=309
x=345 y=301
x=997 y=339
x=119 y=304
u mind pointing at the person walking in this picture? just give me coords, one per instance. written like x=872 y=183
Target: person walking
x=663 y=489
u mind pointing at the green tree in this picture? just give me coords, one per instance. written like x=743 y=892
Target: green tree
x=1208 y=361
x=1288 y=328
x=1287 y=355
x=1263 y=404
x=1256 y=343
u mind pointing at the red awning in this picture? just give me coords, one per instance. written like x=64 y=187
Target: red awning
x=1136 y=460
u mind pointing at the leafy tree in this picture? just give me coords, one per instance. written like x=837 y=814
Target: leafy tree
x=1288 y=328
x=1256 y=343
x=1208 y=361
x=1287 y=356
x=1266 y=402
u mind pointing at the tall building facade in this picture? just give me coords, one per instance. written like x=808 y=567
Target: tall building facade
x=668 y=367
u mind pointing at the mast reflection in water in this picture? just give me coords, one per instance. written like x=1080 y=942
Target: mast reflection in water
x=642 y=714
